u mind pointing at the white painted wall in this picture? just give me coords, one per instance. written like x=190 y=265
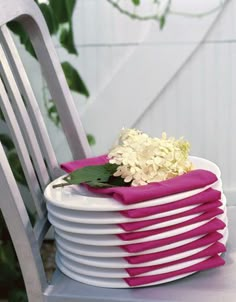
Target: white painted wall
x=199 y=102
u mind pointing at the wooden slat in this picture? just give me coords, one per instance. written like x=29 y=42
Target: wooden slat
x=23 y=120
x=30 y=99
x=22 y=151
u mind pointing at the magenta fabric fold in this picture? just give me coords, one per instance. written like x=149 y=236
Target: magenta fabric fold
x=209 y=227
x=81 y=163
x=211 y=262
x=133 y=226
x=187 y=182
x=128 y=195
x=142 y=234
x=201 y=242
x=210 y=251
x=209 y=195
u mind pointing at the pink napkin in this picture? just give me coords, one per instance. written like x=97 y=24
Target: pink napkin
x=133 y=226
x=142 y=234
x=201 y=242
x=78 y=164
x=212 y=250
x=209 y=227
x=212 y=262
x=206 y=196
x=127 y=195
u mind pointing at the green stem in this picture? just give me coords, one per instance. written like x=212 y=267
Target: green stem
x=168 y=10
x=61 y=185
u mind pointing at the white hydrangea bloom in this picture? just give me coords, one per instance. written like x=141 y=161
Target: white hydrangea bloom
x=142 y=159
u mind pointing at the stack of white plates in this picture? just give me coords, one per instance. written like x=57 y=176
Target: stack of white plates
x=95 y=247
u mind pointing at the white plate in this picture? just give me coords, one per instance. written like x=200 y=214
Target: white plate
x=108 y=282
x=109 y=240
x=105 y=217
x=116 y=251
x=118 y=272
x=112 y=251
x=78 y=198
x=121 y=262
x=110 y=263
x=102 y=229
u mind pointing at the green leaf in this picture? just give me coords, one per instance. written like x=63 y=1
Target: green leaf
x=162 y=21
x=136 y=2
x=17 y=295
x=74 y=80
x=95 y=176
x=8 y=263
x=67 y=41
x=63 y=9
x=7 y=142
x=118 y=181
x=53 y=113
x=29 y=47
x=16 y=167
x=91 y=139
x=91 y=174
x=50 y=18
x=1 y=115
x=18 y=30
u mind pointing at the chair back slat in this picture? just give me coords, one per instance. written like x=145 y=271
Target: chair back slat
x=18 y=223
x=22 y=151
x=40 y=229
x=30 y=100
x=23 y=120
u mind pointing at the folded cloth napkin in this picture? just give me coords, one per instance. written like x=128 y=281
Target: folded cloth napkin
x=127 y=195
x=78 y=164
x=141 y=234
x=211 y=251
x=205 y=196
x=201 y=242
x=209 y=227
x=210 y=262
x=133 y=226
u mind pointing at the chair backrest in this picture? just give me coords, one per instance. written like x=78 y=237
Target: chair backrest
x=22 y=115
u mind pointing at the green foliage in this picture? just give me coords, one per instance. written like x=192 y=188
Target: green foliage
x=63 y=9
x=136 y=2
x=74 y=80
x=100 y=176
x=17 y=295
x=1 y=115
x=67 y=41
x=52 y=112
x=91 y=139
x=49 y=16
x=11 y=281
x=92 y=175
x=162 y=21
x=19 y=31
x=13 y=158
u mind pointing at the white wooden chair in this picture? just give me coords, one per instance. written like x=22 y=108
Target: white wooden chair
x=32 y=142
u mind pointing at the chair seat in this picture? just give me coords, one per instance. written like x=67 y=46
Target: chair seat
x=214 y=285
